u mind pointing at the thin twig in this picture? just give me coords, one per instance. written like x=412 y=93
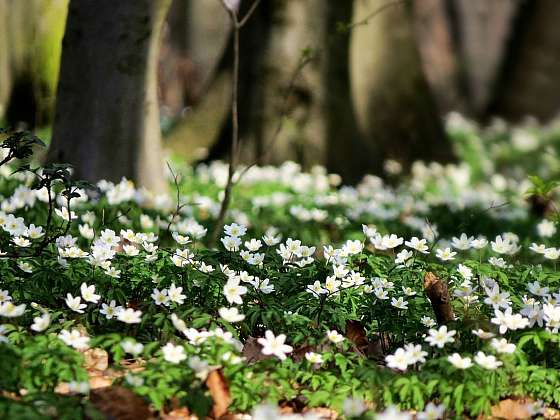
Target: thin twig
x=248 y=15
x=179 y=206
x=380 y=9
x=235 y=131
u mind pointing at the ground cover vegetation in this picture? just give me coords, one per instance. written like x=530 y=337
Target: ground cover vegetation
x=429 y=294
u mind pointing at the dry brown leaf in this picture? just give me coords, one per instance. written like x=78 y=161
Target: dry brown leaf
x=511 y=410
x=119 y=403
x=437 y=291
x=322 y=412
x=182 y=413
x=96 y=359
x=219 y=390
x=100 y=381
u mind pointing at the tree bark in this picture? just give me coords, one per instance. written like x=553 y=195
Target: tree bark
x=394 y=106
x=528 y=81
x=439 y=54
x=107 y=117
x=5 y=78
x=483 y=28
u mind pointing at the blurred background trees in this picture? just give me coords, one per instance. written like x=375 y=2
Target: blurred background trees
x=346 y=84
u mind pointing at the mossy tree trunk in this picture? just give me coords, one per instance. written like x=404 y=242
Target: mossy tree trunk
x=394 y=105
x=107 y=119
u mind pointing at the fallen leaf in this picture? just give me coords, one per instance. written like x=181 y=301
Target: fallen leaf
x=511 y=410
x=182 y=413
x=219 y=391
x=96 y=359
x=322 y=413
x=119 y=403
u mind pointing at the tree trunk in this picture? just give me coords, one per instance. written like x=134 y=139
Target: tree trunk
x=107 y=118
x=347 y=155
x=528 y=82
x=5 y=79
x=395 y=109
x=441 y=61
x=483 y=28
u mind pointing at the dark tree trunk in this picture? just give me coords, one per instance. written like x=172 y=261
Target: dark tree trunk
x=107 y=120
x=394 y=105
x=438 y=47
x=483 y=28
x=528 y=82
x=347 y=154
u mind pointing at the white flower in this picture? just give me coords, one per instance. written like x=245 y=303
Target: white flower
x=233 y=291
x=392 y=413
x=312 y=357
x=110 y=310
x=428 y=322
x=353 y=407
x=25 y=266
x=74 y=339
x=231 y=243
x=487 y=362
x=479 y=242
x=335 y=337
x=460 y=362
x=431 y=412
x=416 y=353
x=180 y=239
x=440 y=337
x=538 y=248
x=465 y=271
x=508 y=321
x=173 y=354
x=235 y=230
x=41 y=323
x=132 y=347
x=546 y=229
x=502 y=345
x=21 y=241
x=88 y=293
x=64 y=214
x=160 y=297
x=4 y=296
x=129 y=316
x=483 y=335
x=502 y=246
x=353 y=247
x=200 y=367
x=274 y=345
x=131 y=250
x=445 y=254
x=391 y=241
x=175 y=294
x=74 y=303
x=316 y=288
x=462 y=243
x=418 y=244
x=78 y=387
x=399 y=360
x=253 y=245
x=551 y=314
x=231 y=314
x=552 y=253
x=134 y=380
x=9 y=310
x=538 y=290
x=399 y=303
